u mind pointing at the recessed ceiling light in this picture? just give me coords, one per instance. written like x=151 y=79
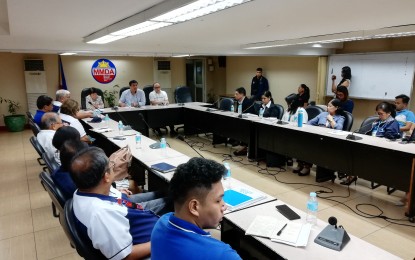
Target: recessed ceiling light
x=67 y=53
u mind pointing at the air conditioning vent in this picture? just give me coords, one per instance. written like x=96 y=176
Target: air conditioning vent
x=163 y=65
x=33 y=65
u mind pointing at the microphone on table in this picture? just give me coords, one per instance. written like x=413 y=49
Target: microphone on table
x=182 y=138
x=333 y=237
x=212 y=106
x=89 y=102
x=126 y=126
x=354 y=137
x=241 y=114
x=157 y=144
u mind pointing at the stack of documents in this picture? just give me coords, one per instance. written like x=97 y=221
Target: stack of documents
x=292 y=233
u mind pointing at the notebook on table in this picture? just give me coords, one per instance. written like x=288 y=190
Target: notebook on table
x=239 y=197
x=163 y=167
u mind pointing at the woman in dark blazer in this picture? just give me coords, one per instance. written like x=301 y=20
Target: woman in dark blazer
x=267 y=108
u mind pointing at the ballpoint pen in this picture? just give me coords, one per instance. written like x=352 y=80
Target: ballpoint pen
x=279 y=232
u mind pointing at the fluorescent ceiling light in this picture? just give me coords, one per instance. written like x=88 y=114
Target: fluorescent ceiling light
x=159 y=16
x=67 y=53
x=181 y=55
x=388 y=32
x=317 y=45
x=196 y=9
x=106 y=39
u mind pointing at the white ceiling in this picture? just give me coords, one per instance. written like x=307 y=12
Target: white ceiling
x=55 y=26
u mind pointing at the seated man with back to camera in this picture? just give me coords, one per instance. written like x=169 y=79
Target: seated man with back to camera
x=61 y=96
x=159 y=97
x=50 y=123
x=117 y=227
x=134 y=97
x=44 y=105
x=197 y=193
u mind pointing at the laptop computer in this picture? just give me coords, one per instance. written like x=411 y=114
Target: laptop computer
x=163 y=167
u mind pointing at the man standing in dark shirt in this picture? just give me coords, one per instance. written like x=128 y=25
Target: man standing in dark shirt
x=259 y=85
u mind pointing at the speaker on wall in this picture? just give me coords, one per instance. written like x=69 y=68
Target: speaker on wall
x=222 y=61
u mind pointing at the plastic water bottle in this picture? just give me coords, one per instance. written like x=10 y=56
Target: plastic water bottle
x=232 y=108
x=227 y=176
x=163 y=143
x=312 y=208
x=300 y=118
x=240 y=109
x=107 y=120
x=120 y=127
x=261 y=112
x=138 y=141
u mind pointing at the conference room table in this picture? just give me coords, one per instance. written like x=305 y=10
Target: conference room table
x=237 y=221
x=375 y=159
x=235 y=224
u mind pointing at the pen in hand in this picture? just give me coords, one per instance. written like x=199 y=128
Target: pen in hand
x=279 y=232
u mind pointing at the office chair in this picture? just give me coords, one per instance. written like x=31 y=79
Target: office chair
x=29 y=115
x=51 y=163
x=35 y=128
x=367 y=124
x=82 y=243
x=123 y=89
x=182 y=95
x=280 y=111
x=313 y=111
x=40 y=151
x=348 y=121
x=58 y=200
x=85 y=92
x=226 y=104
x=147 y=90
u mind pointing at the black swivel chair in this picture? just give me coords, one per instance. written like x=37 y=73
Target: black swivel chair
x=147 y=90
x=35 y=128
x=367 y=124
x=182 y=94
x=123 y=89
x=50 y=163
x=348 y=121
x=313 y=111
x=280 y=111
x=29 y=115
x=85 y=92
x=58 y=200
x=40 y=151
x=226 y=104
x=83 y=245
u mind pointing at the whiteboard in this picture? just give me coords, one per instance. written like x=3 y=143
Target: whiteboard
x=375 y=76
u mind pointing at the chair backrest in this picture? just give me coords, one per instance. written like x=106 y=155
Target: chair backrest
x=182 y=95
x=39 y=149
x=280 y=111
x=313 y=111
x=82 y=244
x=123 y=89
x=226 y=104
x=367 y=124
x=29 y=115
x=147 y=90
x=35 y=128
x=54 y=193
x=50 y=163
x=348 y=121
x=85 y=92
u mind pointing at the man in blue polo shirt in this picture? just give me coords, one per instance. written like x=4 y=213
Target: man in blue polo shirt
x=135 y=97
x=197 y=193
x=44 y=105
x=404 y=117
x=117 y=227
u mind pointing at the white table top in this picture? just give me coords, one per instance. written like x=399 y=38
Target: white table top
x=356 y=248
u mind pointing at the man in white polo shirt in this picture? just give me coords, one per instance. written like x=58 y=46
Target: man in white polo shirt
x=159 y=97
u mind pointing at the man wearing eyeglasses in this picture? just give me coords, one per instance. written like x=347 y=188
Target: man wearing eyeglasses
x=159 y=97
x=116 y=226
